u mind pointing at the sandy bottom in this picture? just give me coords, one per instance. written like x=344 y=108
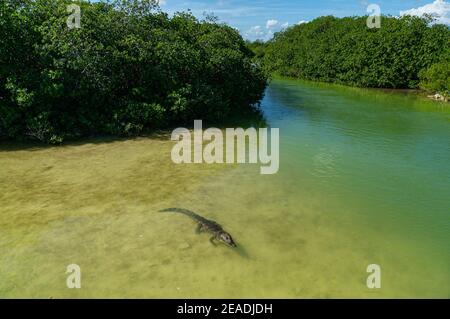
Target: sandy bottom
x=96 y=205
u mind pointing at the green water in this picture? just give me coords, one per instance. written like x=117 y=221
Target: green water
x=364 y=179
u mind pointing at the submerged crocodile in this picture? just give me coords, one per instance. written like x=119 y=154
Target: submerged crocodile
x=207 y=225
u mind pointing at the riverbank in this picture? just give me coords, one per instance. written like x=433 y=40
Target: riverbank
x=412 y=92
x=331 y=49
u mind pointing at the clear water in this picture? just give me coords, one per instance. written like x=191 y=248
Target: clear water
x=364 y=179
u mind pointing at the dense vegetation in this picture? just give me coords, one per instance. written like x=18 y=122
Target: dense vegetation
x=436 y=78
x=259 y=49
x=405 y=52
x=128 y=69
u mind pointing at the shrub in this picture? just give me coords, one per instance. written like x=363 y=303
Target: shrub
x=346 y=51
x=436 y=78
x=128 y=69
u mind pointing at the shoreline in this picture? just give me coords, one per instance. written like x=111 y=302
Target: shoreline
x=416 y=92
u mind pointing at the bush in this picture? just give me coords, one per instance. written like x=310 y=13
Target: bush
x=128 y=69
x=346 y=51
x=436 y=78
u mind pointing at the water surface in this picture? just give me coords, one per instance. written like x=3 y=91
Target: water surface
x=364 y=179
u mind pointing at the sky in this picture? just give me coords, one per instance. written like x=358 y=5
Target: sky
x=260 y=19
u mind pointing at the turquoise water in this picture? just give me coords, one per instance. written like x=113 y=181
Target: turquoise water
x=364 y=179
x=387 y=154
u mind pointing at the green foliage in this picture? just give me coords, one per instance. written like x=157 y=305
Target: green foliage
x=258 y=47
x=437 y=78
x=128 y=69
x=346 y=51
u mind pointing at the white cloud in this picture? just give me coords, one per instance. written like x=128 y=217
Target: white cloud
x=303 y=21
x=260 y=33
x=440 y=9
x=271 y=24
x=255 y=32
x=161 y=2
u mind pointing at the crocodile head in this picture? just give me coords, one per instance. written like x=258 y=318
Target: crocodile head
x=226 y=239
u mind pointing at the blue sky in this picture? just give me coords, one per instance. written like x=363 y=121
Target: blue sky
x=260 y=18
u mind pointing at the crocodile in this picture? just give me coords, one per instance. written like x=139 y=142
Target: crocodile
x=206 y=225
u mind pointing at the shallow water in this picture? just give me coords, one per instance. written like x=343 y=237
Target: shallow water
x=364 y=179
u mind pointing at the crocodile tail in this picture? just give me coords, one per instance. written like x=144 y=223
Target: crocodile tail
x=179 y=210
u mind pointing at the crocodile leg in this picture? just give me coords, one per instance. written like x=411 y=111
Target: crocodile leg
x=212 y=240
x=199 y=228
